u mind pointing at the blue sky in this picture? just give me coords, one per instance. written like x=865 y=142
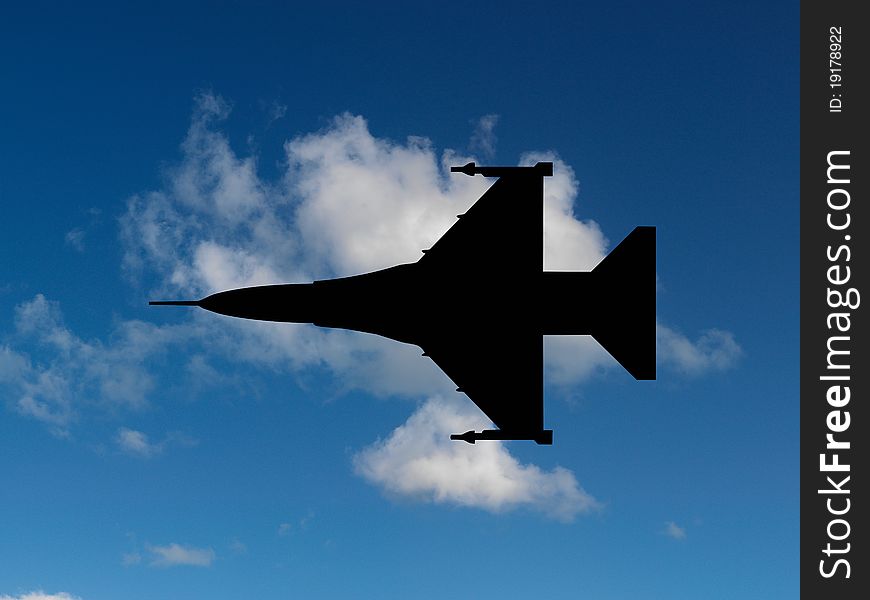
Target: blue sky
x=164 y=151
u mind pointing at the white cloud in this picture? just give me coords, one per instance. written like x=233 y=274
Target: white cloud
x=275 y=111
x=570 y=244
x=351 y=203
x=419 y=460
x=400 y=200
x=572 y=359
x=219 y=226
x=714 y=350
x=483 y=138
x=75 y=238
x=13 y=365
x=348 y=202
x=40 y=595
x=674 y=531
x=62 y=374
x=173 y=555
x=285 y=529
x=136 y=442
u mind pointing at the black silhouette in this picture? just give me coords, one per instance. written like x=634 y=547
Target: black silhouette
x=478 y=303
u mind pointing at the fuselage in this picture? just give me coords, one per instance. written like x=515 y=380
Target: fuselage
x=410 y=301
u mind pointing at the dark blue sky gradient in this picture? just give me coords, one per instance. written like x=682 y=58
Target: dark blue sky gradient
x=682 y=115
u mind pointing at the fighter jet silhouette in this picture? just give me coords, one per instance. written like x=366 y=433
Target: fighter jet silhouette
x=478 y=303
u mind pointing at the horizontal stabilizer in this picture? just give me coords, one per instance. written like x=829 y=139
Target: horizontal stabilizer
x=627 y=279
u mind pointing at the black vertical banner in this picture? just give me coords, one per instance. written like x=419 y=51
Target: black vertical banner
x=835 y=363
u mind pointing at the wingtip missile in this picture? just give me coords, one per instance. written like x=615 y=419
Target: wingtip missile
x=468 y=169
x=541 y=169
x=542 y=437
x=469 y=436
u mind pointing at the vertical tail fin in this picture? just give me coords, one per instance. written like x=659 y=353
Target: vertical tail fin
x=628 y=278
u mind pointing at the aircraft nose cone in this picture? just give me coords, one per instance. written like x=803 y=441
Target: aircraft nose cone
x=287 y=302
x=232 y=302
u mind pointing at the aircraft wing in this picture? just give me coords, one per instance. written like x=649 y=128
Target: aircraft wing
x=502 y=374
x=501 y=233
x=496 y=360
